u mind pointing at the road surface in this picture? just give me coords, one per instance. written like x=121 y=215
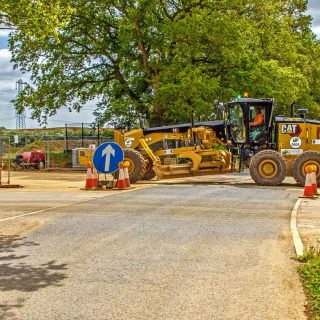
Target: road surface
x=192 y=251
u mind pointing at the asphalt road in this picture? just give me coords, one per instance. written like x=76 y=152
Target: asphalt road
x=165 y=252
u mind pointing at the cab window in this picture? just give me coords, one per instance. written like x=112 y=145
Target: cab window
x=238 y=130
x=257 y=122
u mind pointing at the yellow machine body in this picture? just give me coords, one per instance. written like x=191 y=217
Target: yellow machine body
x=81 y=156
x=175 y=153
x=294 y=138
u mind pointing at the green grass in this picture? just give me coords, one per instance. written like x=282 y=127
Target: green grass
x=310 y=274
x=60 y=159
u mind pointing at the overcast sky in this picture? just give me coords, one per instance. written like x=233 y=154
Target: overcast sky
x=8 y=78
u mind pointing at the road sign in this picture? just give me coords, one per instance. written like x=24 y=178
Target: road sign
x=107 y=156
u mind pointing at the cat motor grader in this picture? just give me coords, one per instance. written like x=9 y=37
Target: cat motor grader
x=277 y=147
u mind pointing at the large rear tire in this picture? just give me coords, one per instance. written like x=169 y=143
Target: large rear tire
x=137 y=167
x=268 y=168
x=300 y=164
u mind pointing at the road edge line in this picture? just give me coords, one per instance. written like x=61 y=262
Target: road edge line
x=68 y=204
x=298 y=245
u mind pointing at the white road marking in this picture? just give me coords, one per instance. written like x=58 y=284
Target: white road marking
x=70 y=204
x=298 y=245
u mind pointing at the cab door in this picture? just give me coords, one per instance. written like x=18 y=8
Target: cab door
x=237 y=125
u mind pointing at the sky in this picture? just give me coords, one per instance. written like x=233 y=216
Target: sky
x=8 y=91
x=9 y=77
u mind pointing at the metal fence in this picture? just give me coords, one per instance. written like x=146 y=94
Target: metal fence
x=56 y=143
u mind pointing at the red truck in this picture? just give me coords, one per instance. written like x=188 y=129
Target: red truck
x=30 y=160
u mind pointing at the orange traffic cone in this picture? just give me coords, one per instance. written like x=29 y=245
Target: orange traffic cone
x=308 y=189
x=126 y=174
x=121 y=185
x=314 y=179
x=88 y=179
x=94 y=179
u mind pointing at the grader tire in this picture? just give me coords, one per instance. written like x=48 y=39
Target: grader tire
x=150 y=174
x=268 y=168
x=137 y=167
x=300 y=163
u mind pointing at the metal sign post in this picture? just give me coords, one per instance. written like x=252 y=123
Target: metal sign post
x=2 y=153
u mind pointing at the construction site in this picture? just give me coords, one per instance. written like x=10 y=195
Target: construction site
x=249 y=137
x=160 y=160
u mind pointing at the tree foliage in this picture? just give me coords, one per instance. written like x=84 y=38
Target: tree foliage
x=36 y=18
x=163 y=58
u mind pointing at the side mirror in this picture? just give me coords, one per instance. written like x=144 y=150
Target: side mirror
x=302 y=113
x=219 y=109
x=292 y=109
x=216 y=103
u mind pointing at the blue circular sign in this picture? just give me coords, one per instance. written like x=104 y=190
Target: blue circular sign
x=107 y=156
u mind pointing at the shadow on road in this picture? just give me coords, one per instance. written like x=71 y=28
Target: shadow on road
x=20 y=276
x=231 y=183
x=7 y=310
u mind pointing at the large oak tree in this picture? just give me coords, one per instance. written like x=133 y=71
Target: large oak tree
x=163 y=59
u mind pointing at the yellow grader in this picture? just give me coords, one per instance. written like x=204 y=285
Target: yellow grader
x=272 y=149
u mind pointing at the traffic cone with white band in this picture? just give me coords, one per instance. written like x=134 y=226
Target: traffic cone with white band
x=121 y=185
x=88 y=184
x=94 y=179
x=308 y=188
x=314 y=180
x=126 y=174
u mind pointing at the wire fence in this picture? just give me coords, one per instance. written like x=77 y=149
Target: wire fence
x=55 y=143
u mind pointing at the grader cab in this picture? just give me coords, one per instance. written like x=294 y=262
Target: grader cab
x=273 y=148
x=249 y=136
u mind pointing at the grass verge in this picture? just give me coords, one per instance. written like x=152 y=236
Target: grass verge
x=60 y=159
x=310 y=274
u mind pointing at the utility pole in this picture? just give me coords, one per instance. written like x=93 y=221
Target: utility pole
x=20 y=117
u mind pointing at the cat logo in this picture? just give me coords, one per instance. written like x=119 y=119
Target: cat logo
x=293 y=129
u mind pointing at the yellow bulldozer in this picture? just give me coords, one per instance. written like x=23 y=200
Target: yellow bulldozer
x=272 y=148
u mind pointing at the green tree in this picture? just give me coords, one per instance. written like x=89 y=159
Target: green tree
x=37 y=18
x=164 y=59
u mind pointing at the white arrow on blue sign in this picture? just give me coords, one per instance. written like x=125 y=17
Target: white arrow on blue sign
x=107 y=156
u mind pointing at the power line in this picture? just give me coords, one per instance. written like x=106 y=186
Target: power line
x=49 y=120
x=7 y=118
x=6 y=107
x=69 y=108
x=61 y=120
x=8 y=28
x=7 y=93
x=20 y=116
